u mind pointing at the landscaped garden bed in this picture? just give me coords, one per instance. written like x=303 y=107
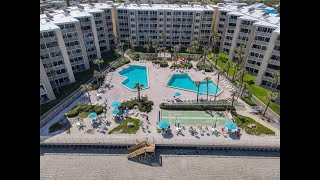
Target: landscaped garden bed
x=120 y=63
x=203 y=66
x=125 y=128
x=248 y=101
x=83 y=110
x=162 y=63
x=247 y=122
x=182 y=65
x=195 y=107
x=144 y=105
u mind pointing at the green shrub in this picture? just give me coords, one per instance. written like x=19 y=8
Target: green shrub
x=144 y=105
x=248 y=101
x=84 y=109
x=120 y=63
x=182 y=65
x=164 y=64
x=123 y=128
x=203 y=66
x=195 y=107
x=55 y=127
x=243 y=122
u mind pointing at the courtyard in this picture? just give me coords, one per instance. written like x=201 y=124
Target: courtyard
x=157 y=92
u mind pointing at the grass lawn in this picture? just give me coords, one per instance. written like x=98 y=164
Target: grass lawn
x=243 y=122
x=81 y=78
x=123 y=128
x=256 y=90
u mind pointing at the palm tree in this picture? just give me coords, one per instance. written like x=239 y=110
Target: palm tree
x=176 y=50
x=276 y=75
x=233 y=93
x=98 y=62
x=236 y=68
x=148 y=39
x=197 y=83
x=269 y=97
x=216 y=57
x=155 y=45
x=205 y=52
x=97 y=75
x=240 y=56
x=86 y=88
x=207 y=79
x=121 y=44
x=219 y=72
x=53 y=74
x=242 y=73
x=163 y=36
x=228 y=65
x=213 y=38
x=138 y=86
x=146 y=46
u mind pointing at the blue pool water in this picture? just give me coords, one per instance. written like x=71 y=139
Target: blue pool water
x=183 y=81
x=135 y=74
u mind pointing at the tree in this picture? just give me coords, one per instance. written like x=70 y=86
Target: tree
x=206 y=50
x=97 y=75
x=118 y=52
x=276 y=75
x=207 y=79
x=86 y=88
x=216 y=57
x=163 y=37
x=148 y=39
x=233 y=93
x=242 y=73
x=98 y=62
x=228 y=65
x=213 y=38
x=219 y=72
x=155 y=45
x=146 y=46
x=138 y=86
x=236 y=68
x=53 y=74
x=197 y=83
x=176 y=50
x=121 y=45
x=269 y=97
x=240 y=56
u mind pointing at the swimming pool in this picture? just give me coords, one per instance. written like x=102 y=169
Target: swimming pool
x=184 y=82
x=135 y=74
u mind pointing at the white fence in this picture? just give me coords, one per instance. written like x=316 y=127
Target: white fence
x=68 y=100
x=160 y=141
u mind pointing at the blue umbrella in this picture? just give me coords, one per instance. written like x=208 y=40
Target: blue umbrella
x=230 y=125
x=177 y=94
x=116 y=104
x=163 y=124
x=92 y=115
x=115 y=111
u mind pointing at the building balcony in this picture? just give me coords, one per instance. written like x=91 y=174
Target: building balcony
x=260 y=51
x=98 y=18
x=58 y=76
x=276 y=52
x=277 y=42
x=231 y=27
x=252 y=66
x=255 y=58
x=100 y=25
x=229 y=34
x=232 y=21
x=49 y=39
x=263 y=43
x=102 y=44
x=77 y=63
x=243 y=34
x=71 y=39
x=228 y=40
x=242 y=41
x=245 y=26
x=264 y=34
x=52 y=59
x=91 y=52
x=274 y=62
x=87 y=31
x=42 y=91
x=270 y=79
x=73 y=47
x=221 y=22
x=68 y=30
x=88 y=23
x=269 y=70
x=75 y=55
x=57 y=48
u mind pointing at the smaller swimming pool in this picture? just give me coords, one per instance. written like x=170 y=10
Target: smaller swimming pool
x=135 y=74
x=184 y=82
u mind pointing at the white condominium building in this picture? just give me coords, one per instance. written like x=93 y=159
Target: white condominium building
x=170 y=24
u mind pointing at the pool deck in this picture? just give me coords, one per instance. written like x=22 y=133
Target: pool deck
x=156 y=92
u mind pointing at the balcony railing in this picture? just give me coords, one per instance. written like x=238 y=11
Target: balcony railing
x=49 y=39
x=52 y=59
x=100 y=25
x=245 y=26
x=42 y=91
x=228 y=40
x=269 y=70
x=86 y=23
x=75 y=55
x=274 y=62
x=252 y=66
x=277 y=42
x=70 y=39
x=231 y=27
x=77 y=63
x=87 y=31
x=229 y=34
x=102 y=44
x=98 y=18
x=73 y=47
x=276 y=52
x=242 y=41
x=243 y=34
x=68 y=30
x=265 y=34
x=270 y=79
x=221 y=22
x=258 y=59
x=56 y=48
x=264 y=43
x=257 y=50
x=232 y=21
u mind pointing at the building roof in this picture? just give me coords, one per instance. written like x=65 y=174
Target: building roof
x=165 y=7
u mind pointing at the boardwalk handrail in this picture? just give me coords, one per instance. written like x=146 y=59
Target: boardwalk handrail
x=70 y=98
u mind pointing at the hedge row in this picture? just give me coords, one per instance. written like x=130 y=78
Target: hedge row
x=161 y=62
x=194 y=107
x=248 y=101
x=120 y=63
x=84 y=108
x=183 y=65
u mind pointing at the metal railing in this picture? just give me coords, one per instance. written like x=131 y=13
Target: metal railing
x=276 y=52
x=68 y=30
x=265 y=34
x=68 y=100
x=274 y=62
x=257 y=50
x=264 y=43
x=159 y=141
x=214 y=103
